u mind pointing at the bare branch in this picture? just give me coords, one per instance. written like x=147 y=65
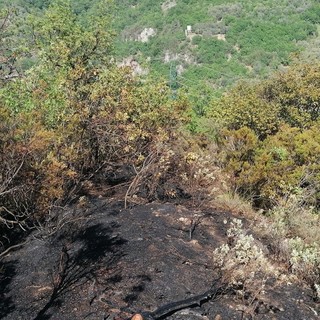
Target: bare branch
x=5 y=20
x=139 y=175
x=11 y=248
x=9 y=180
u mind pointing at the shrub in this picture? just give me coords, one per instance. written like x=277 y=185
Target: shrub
x=305 y=260
x=238 y=149
x=268 y=170
x=73 y=115
x=297 y=93
x=244 y=107
x=244 y=266
x=281 y=151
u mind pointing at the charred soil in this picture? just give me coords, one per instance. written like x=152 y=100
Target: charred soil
x=107 y=262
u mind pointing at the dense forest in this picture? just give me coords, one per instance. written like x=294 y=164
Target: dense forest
x=188 y=127
x=228 y=40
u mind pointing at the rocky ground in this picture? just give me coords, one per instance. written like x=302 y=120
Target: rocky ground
x=107 y=262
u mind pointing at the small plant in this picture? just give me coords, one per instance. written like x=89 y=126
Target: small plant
x=200 y=175
x=244 y=265
x=305 y=260
x=241 y=257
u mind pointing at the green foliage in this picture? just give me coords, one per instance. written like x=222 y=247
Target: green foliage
x=245 y=107
x=196 y=40
x=269 y=170
x=297 y=92
x=312 y=14
x=63 y=41
x=213 y=51
x=259 y=37
x=238 y=150
x=73 y=113
x=272 y=144
x=290 y=97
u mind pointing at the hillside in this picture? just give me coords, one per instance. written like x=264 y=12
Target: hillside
x=104 y=170
x=115 y=263
x=227 y=40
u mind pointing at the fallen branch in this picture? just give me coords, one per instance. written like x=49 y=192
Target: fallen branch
x=170 y=308
x=11 y=248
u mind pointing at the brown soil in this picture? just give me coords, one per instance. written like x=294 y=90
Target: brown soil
x=110 y=263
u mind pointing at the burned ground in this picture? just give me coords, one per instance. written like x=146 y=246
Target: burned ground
x=107 y=262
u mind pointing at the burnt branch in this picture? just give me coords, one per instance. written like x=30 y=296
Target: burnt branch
x=170 y=308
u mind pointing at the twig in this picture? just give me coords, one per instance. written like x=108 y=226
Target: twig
x=146 y=163
x=171 y=308
x=12 y=247
x=13 y=176
x=60 y=224
x=6 y=18
x=193 y=225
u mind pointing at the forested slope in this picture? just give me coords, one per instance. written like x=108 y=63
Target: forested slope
x=229 y=40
